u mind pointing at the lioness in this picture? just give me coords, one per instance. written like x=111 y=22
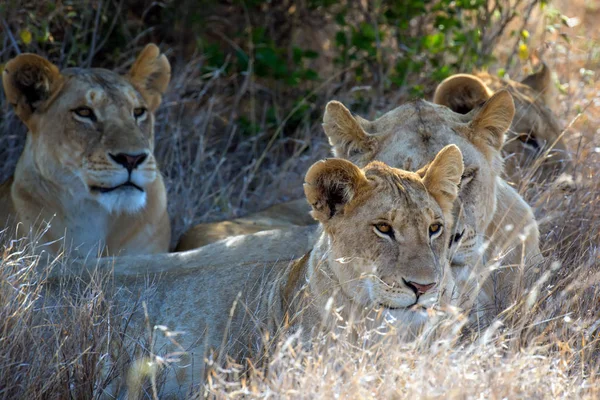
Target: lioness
x=535 y=137
x=381 y=250
x=88 y=168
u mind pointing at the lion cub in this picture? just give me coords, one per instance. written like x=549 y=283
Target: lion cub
x=381 y=251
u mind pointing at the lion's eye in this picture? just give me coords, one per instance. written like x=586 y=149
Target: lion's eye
x=384 y=228
x=529 y=139
x=139 y=112
x=435 y=229
x=85 y=112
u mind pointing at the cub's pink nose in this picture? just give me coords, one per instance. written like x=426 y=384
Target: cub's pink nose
x=418 y=288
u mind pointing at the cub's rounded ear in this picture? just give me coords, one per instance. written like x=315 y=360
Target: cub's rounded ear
x=330 y=185
x=346 y=133
x=491 y=122
x=150 y=74
x=462 y=93
x=29 y=81
x=443 y=175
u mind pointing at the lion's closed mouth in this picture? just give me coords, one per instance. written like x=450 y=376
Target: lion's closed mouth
x=388 y=307
x=412 y=307
x=124 y=185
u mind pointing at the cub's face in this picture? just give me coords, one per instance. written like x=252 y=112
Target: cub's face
x=91 y=130
x=387 y=229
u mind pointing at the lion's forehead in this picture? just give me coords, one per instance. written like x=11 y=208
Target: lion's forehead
x=112 y=99
x=416 y=112
x=412 y=141
x=398 y=199
x=99 y=87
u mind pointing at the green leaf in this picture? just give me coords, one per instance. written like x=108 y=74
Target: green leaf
x=434 y=42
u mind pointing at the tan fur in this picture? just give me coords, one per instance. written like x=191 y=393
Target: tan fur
x=535 y=137
x=279 y=216
x=150 y=74
x=351 y=269
x=67 y=171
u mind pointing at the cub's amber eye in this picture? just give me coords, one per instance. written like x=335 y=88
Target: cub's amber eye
x=383 y=228
x=435 y=229
x=85 y=112
x=139 y=112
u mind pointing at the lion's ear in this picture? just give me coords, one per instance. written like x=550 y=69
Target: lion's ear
x=462 y=93
x=491 y=122
x=29 y=81
x=541 y=82
x=150 y=74
x=345 y=132
x=443 y=175
x=330 y=185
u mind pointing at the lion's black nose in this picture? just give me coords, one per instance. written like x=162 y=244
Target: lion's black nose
x=129 y=161
x=419 y=288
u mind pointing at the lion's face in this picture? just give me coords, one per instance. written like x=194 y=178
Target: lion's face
x=387 y=229
x=410 y=136
x=99 y=132
x=535 y=136
x=91 y=130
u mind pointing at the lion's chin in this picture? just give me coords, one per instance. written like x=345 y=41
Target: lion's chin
x=411 y=318
x=415 y=314
x=127 y=200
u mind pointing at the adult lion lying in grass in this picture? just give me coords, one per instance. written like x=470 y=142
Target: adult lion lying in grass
x=381 y=252
x=88 y=169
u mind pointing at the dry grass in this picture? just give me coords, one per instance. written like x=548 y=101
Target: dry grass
x=74 y=344
x=51 y=347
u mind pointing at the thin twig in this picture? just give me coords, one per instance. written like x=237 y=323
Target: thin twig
x=94 y=34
